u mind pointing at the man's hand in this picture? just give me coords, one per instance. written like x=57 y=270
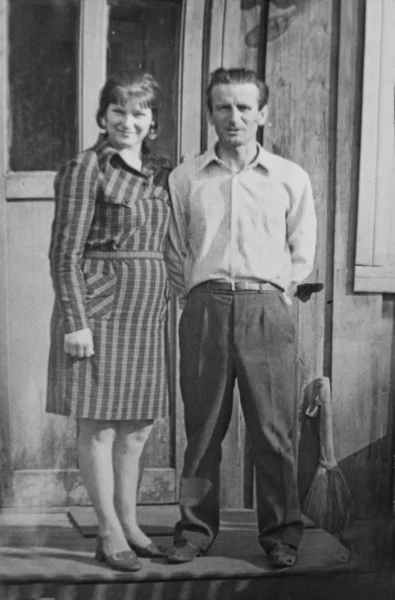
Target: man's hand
x=79 y=343
x=182 y=300
x=289 y=292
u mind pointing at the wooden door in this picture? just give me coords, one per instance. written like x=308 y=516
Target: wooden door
x=54 y=59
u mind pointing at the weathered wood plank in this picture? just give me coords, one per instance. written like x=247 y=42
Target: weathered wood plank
x=371 y=279
x=328 y=585
x=64 y=487
x=369 y=134
x=5 y=427
x=218 y=9
x=30 y=185
x=50 y=551
x=241 y=27
x=158 y=451
x=362 y=332
x=215 y=55
x=190 y=119
x=92 y=66
x=189 y=143
x=298 y=72
x=39 y=440
x=232 y=467
x=238 y=48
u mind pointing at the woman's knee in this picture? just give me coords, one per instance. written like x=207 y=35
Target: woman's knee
x=132 y=435
x=96 y=431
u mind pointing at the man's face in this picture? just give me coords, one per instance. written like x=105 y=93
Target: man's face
x=235 y=114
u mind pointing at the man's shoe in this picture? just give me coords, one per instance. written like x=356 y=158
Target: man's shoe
x=183 y=551
x=281 y=556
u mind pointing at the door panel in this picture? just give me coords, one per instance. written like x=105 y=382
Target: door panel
x=43 y=449
x=40 y=449
x=41 y=74
x=40 y=441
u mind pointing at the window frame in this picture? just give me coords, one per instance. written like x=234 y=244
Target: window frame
x=93 y=24
x=375 y=244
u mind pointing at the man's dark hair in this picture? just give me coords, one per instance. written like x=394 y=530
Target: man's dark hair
x=221 y=76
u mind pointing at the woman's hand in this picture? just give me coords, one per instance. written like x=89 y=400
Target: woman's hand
x=79 y=343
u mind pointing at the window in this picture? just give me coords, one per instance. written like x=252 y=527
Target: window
x=43 y=38
x=375 y=251
x=145 y=35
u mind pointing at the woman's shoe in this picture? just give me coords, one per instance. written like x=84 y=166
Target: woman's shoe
x=150 y=551
x=120 y=561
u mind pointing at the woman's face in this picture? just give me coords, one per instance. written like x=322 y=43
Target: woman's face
x=128 y=125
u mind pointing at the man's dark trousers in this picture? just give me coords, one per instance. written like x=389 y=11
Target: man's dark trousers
x=248 y=335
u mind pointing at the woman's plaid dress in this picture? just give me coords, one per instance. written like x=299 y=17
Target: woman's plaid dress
x=109 y=274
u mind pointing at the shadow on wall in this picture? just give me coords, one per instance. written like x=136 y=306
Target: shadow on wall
x=280 y=14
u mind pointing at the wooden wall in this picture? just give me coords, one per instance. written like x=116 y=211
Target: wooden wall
x=363 y=324
x=314 y=66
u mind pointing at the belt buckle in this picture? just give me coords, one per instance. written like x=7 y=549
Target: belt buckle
x=233 y=286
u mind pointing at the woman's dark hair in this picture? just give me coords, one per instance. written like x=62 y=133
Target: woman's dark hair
x=220 y=76
x=122 y=87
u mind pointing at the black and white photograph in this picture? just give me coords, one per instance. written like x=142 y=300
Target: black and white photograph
x=197 y=299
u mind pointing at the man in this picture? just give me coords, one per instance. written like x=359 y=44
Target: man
x=242 y=238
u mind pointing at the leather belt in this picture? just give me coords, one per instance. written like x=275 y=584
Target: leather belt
x=120 y=254
x=238 y=286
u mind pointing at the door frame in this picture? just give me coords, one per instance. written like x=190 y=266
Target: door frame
x=5 y=427
x=22 y=487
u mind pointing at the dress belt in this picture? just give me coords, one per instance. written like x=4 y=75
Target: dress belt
x=238 y=286
x=115 y=254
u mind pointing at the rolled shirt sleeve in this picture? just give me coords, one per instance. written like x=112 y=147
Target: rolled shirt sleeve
x=75 y=199
x=302 y=229
x=176 y=243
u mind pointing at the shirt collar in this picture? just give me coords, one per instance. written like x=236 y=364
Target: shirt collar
x=262 y=158
x=150 y=162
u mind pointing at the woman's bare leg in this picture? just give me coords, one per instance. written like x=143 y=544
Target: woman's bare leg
x=128 y=446
x=95 y=450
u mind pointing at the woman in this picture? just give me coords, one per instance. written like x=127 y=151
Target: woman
x=107 y=359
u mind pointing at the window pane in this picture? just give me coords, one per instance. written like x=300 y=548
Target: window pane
x=43 y=83
x=146 y=35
